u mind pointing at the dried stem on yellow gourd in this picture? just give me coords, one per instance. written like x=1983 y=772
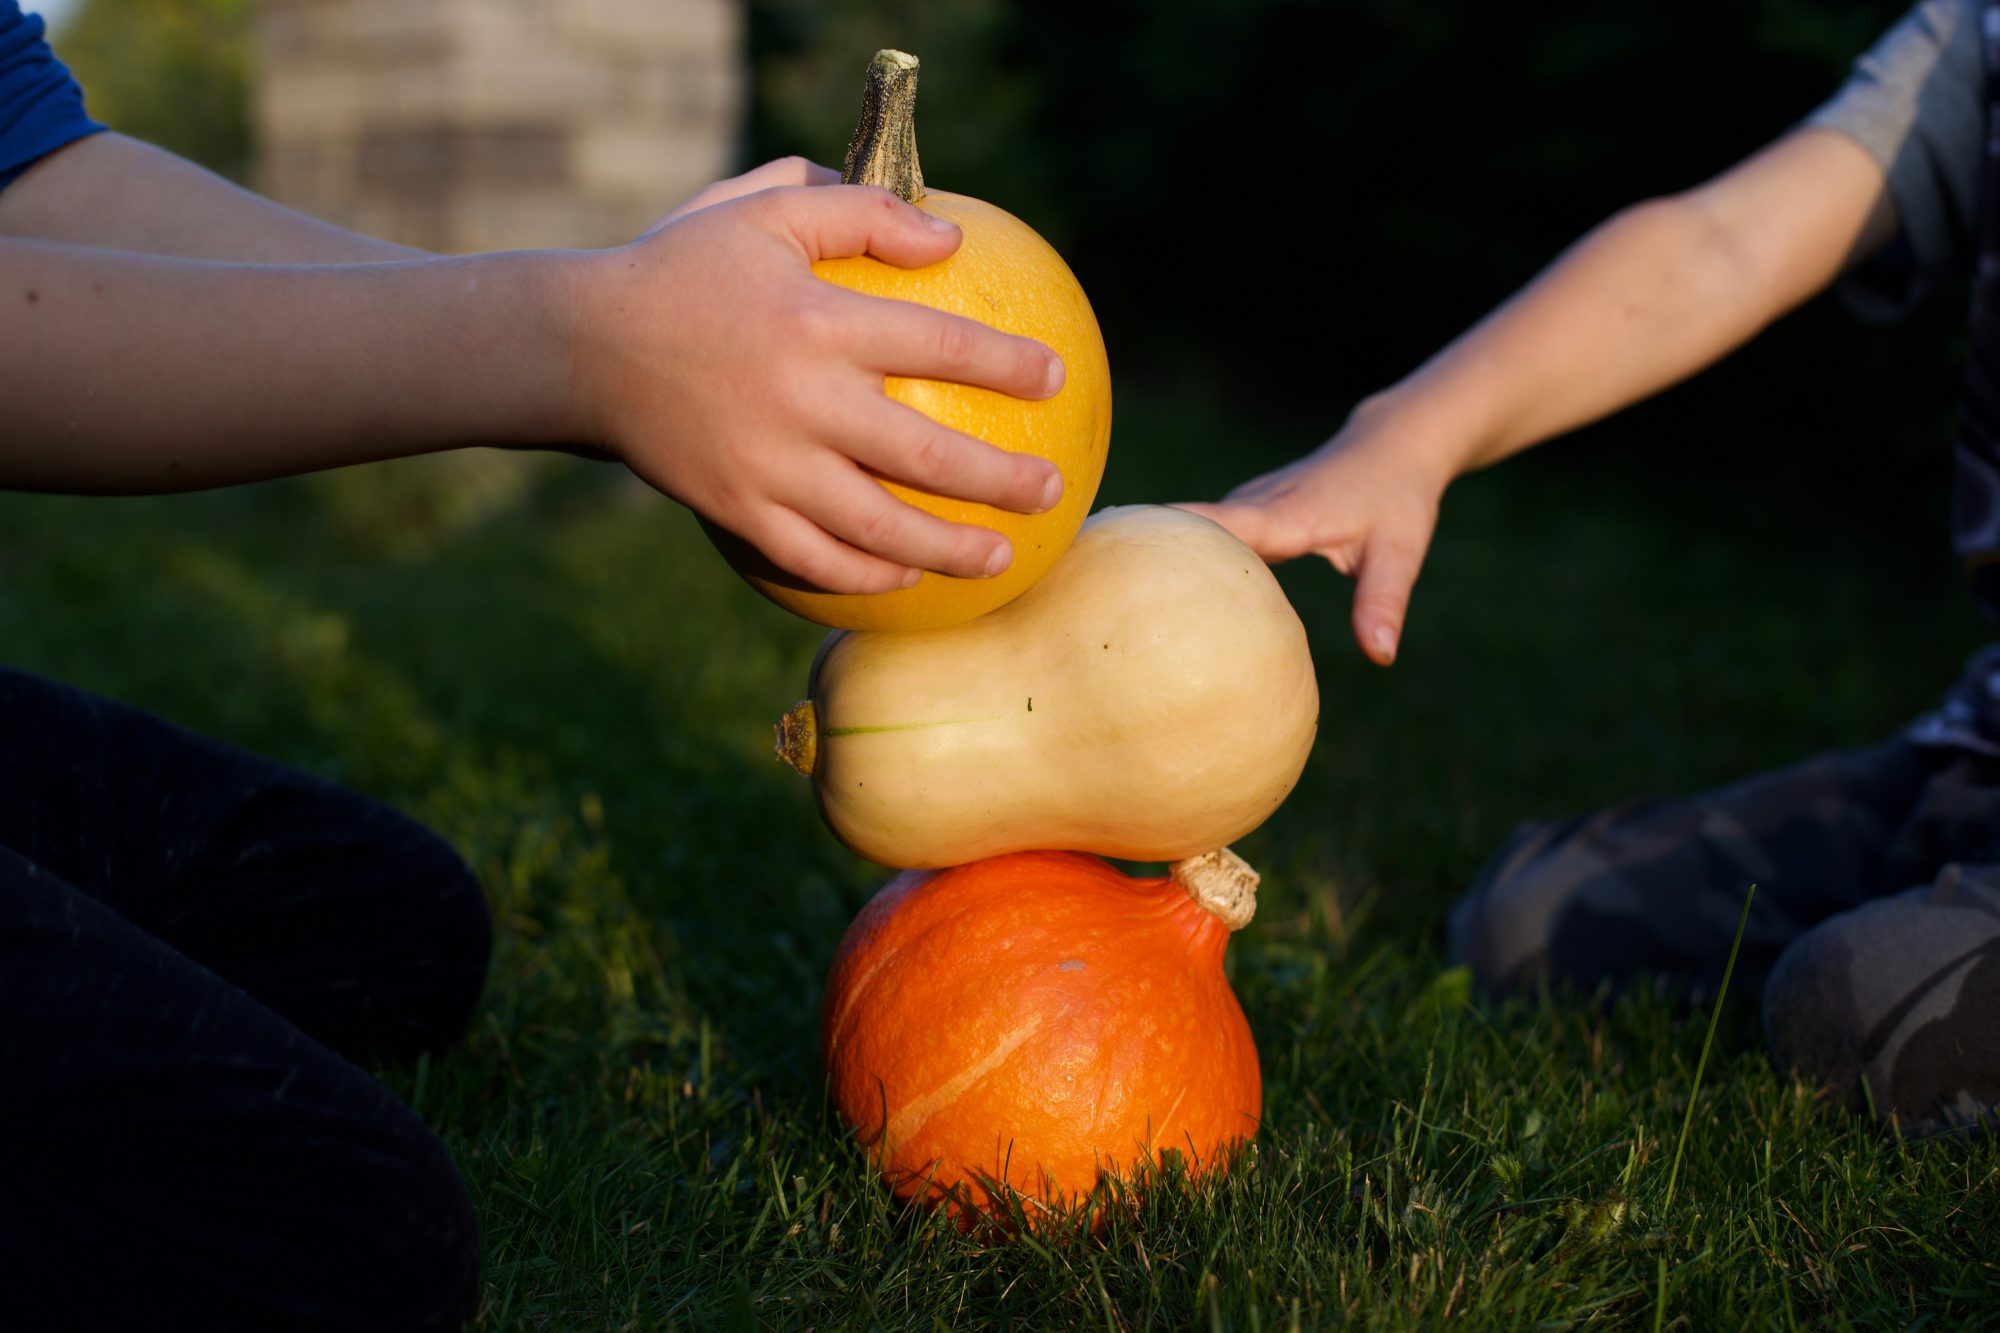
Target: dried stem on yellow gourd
x=884 y=148
x=798 y=737
x=1222 y=882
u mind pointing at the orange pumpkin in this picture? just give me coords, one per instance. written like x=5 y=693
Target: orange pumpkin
x=1029 y=1024
x=1004 y=275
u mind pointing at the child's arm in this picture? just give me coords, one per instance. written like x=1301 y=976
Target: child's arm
x=123 y=194
x=705 y=355
x=1659 y=291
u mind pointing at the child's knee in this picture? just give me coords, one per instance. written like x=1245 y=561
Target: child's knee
x=375 y=935
x=465 y=928
x=1505 y=928
x=447 y=928
x=428 y=1249
x=1890 y=1007
x=1811 y=1015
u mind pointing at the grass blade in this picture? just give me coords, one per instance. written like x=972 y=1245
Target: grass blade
x=1714 y=1015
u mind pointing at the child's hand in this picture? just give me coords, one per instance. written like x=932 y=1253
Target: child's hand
x=711 y=360
x=769 y=176
x=1367 y=500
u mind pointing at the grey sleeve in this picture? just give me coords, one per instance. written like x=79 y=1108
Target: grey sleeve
x=1916 y=101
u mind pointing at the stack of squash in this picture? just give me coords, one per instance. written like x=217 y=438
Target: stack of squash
x=1013 y=1021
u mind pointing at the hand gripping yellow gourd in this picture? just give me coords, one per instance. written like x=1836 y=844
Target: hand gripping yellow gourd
x=1152 y=698
x=1002 y=274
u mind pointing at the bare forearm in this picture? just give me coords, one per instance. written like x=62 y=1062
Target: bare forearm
x=1656 y=293
x=120 y=194
x=1638 y=304
x=126 y=373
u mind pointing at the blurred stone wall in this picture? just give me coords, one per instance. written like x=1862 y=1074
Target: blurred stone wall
x=467 y=125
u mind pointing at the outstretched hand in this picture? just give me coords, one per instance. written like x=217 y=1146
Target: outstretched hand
x=723 y=372
x=1366 y=500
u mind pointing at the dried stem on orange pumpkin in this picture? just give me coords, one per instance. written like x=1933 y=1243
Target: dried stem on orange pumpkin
x=1222 y=882
x=884 y=148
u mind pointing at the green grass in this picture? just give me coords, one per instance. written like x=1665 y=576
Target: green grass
x=551 y=667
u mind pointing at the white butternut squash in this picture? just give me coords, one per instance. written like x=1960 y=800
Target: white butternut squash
x=1152 y=697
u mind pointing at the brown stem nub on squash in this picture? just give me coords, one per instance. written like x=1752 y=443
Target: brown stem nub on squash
x=1222 y=882
x=798 y=737
x=884 y=148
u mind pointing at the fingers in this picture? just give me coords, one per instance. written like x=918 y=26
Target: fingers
x=1256 y=526
x=1387 y=573
x=860 y=219
x=775 y=174
x=845 y=532
x=1384 y=562
x=903 y=338
x=859 y=510
x=835 y=525
x=793 y=170
x=807 y=551
x=909 y=447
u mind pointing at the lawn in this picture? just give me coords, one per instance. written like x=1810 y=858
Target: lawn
x=549 y=665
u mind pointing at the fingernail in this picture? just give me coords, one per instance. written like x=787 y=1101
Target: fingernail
x=1052 y=490
x=936 y=223
x=1055 y=377
x=1384 y=639
x=1002 y=556
x=910 y=578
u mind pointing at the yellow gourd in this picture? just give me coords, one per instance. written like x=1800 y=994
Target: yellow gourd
x=1004 y=275
x=1152 y=698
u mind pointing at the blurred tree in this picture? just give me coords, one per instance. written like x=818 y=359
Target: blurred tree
x=173 y=72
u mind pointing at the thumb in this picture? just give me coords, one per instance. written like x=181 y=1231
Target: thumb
x=836 y=221
x=1383 y=580
x=771 y=175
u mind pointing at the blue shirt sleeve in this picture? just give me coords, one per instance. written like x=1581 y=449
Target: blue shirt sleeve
x=41 y=107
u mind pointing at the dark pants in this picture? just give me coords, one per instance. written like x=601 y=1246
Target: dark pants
x=1874 y=935
x=195 y=946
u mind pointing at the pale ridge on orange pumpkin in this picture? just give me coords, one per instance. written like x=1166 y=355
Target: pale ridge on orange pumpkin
x=1005 y=275
x=1092 y=1030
